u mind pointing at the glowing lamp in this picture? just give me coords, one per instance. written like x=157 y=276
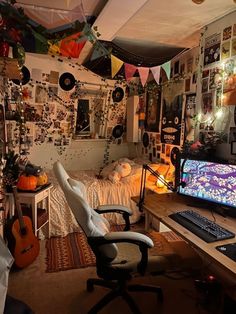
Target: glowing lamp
x=159 y=182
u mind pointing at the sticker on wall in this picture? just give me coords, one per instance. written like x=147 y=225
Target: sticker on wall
x=67 y=81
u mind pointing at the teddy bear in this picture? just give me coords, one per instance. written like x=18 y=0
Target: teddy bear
x=121 y=170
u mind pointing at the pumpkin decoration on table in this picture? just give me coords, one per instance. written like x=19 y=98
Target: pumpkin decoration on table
x=27 y=182
x=42 y=179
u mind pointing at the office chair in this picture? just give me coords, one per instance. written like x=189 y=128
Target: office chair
x=119 y=255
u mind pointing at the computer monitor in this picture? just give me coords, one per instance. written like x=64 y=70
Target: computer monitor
x=211 y=182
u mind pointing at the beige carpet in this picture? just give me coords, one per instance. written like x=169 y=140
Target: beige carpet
x=65 y=292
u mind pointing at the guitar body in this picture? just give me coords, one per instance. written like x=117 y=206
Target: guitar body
x=26 y=247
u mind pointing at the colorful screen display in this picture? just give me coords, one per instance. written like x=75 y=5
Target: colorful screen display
x=209 y=181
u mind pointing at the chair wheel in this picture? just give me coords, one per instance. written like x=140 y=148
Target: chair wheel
x=90 y=287
x=160 y=296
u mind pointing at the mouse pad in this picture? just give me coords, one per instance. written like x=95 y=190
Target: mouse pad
x=228 y=250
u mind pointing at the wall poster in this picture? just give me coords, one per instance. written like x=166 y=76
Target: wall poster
x=212 y=49
x=153 y=108
x=172 y=104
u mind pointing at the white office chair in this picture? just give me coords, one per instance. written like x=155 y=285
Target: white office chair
x=119 y=255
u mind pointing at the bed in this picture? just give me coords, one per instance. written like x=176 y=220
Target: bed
x=104 y=189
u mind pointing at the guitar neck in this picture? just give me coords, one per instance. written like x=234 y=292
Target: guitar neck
x=18 y=208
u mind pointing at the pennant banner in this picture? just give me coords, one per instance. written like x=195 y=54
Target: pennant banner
x=98 y=51
x=143 y=73
x=130 y=69
x=156 y=73
x=166 y=68
x=116 y=64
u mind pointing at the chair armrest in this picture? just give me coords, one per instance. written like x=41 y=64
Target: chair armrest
x=136 y=238
x=120 y=209
x=130 y=237
x=114 y=208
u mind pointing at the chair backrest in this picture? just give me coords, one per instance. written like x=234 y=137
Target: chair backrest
x=93 y=224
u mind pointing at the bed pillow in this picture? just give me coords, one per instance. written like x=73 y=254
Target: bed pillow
x=160 y=168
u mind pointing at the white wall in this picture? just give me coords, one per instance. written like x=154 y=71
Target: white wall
x=80 y=154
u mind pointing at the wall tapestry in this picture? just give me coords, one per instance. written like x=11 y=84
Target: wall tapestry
x=172 y=113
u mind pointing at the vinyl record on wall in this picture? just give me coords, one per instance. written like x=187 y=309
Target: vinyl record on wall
x=67 y=81
x=25 y=76
x=117 y=94
x=117 y=131
x=145 y=139
x=174 y=156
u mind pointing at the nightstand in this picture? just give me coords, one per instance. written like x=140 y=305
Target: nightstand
x=39 y=203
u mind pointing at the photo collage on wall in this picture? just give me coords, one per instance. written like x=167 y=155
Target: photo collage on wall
x=218 y=75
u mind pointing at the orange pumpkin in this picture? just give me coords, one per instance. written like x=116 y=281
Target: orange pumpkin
x=42 y=179
x=27 y=183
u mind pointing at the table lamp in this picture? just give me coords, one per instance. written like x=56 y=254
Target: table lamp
x=161 y=182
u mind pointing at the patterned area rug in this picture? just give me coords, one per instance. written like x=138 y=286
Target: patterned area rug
x=73 y=251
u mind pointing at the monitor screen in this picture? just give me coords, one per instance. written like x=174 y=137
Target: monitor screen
x=209 y=181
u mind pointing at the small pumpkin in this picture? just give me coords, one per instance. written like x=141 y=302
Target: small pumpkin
x=27 y=183
x=42 y=179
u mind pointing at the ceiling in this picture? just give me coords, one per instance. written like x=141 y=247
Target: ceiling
x=145 y=28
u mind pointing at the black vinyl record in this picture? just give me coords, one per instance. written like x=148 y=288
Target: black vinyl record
x=145 y=139
x=117 y=131
x=117 y=94
x=25 y=76
x=67 y=81
x=174 y=155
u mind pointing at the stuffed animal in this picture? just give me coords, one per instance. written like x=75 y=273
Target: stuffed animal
x=121 y=170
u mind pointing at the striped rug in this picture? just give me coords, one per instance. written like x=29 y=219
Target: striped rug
x=73 y=251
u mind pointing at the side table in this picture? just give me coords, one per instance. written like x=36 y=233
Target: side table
x=34 y=199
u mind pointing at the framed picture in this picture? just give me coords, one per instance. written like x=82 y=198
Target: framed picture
x=153 y=108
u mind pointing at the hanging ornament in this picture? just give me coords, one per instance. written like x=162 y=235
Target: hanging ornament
x=4 y=49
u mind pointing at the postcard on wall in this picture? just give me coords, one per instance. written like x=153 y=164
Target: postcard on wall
x=52 y=93
x=212 y=49
x=187 y=85
x=207 y=101
x=227 y=33
x=234 y=30
x=205 y=73
x=215 y=78
x=190 y=107
x=41 y=94
x=225 y=50
x=53 y=77
x=205 y=82
x=233 y=47
x=36 y=74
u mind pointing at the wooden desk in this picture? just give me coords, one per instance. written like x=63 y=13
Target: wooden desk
x=162 y=205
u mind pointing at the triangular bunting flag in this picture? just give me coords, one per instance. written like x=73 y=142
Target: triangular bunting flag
x=143 y=73
x=116 y=64
x=130 y=69
x=98 y=51
x=156 y=73
x=166 y=68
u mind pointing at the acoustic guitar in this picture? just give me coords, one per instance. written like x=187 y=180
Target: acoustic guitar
x=26 y=247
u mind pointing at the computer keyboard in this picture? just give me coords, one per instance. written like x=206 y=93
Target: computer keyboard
x=204 y=228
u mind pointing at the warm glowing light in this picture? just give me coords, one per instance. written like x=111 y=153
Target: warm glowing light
x=159 y=182
x=219 y=114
